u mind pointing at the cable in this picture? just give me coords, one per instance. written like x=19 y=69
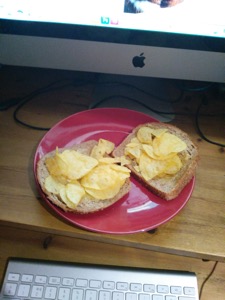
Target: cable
x=196 y=114
x=49 y=88
x=201 y=86
x=70 y=82
x=207 y=278
x=181 y=86
x=94 y=105
x=204 y=101
x=111 y=83
x=27 y=99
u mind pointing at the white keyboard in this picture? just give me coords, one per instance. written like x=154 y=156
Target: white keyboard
x=36 y=279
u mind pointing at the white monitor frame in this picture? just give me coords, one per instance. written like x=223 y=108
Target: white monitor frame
x=111 y=50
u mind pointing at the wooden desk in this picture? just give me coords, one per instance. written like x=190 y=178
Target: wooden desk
x=24 y=243
x=198 y=231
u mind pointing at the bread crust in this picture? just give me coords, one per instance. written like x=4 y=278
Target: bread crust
x=87 y=204
x=168 y=187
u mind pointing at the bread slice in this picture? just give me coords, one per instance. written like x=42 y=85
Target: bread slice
x=87 y=204
x=166 y=187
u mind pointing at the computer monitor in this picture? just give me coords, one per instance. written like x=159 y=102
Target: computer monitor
x=182 y=39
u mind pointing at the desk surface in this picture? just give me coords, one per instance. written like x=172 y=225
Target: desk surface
x=197 y=231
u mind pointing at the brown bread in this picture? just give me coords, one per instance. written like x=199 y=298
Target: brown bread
x=87 y=204
x=167 y=187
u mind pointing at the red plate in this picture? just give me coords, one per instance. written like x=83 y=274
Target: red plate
x=138 y=211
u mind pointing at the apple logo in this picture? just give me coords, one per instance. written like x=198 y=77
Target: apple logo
x=138 y=61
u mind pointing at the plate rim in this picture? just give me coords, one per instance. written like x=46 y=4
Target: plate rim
x=64 y=215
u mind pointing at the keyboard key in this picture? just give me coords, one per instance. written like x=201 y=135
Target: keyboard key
x=171 y=298
x=176 y=290
x=54 y=280
x=157 y=297
x=37 y=291
x=91 y=295
x=131 y=296
x=135 y=287
x=81 y=282
x=40 y=279
x=109 y=285
x=122 y=286
x=27 y=278
x=68 y=281
x=95 y=284
x=104 y=295
x=118 y=296
x=186 y=298
x=163 y=289
x=149 y=288
x=189 y=291
x=50 y=292
x=144 y=297
x=77 y=294
x=13 y=277
x=23 y=290
x=10 y=289
x=64 y=294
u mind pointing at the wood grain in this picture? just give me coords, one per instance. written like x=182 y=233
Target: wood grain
x=29 y=244
x=197 y=231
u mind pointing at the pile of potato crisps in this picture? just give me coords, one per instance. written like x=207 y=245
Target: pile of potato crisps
x=72 y=175
x=155 y=152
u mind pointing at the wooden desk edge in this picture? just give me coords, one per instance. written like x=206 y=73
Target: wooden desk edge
x=107 y=239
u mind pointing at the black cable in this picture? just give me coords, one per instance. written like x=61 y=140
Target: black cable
x=69 y=82
x=201 y=86
x=111 y=83
x=29 y=98
x=49 y=88
x=196 y=114
x=181 y=86
x=94 y=105
x=200 y=132
x=17 y=100
x=152 y=109
x=207 y=278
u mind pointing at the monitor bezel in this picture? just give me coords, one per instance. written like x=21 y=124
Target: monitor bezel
x=113 y=35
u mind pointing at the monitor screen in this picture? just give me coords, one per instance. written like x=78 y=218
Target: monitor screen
x=181 y=39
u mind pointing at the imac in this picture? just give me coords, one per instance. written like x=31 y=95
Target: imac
x=170 y=39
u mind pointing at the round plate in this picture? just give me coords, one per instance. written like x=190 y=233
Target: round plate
x=138 y=211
